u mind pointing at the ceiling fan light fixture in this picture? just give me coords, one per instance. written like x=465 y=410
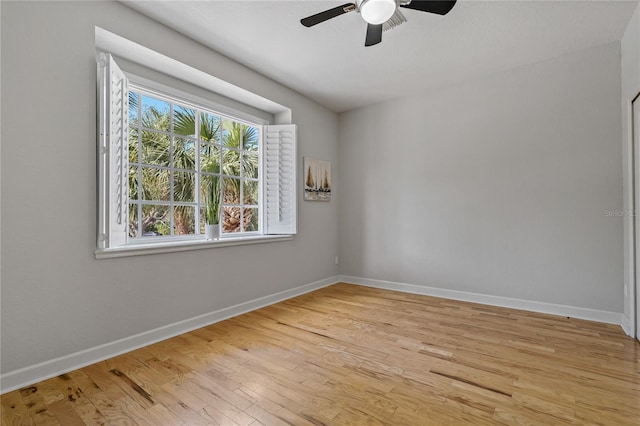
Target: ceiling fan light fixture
x=377 y=11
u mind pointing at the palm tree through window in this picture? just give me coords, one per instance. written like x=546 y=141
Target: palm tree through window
x=182 y=156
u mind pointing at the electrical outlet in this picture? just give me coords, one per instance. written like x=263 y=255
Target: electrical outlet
x=336 y=260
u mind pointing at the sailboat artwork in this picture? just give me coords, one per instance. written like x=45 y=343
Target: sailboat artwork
x=317 y=180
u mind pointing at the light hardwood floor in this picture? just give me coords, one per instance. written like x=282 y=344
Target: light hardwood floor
x=350 y=355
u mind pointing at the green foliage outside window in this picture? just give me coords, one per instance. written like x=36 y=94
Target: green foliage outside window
x=224 y=146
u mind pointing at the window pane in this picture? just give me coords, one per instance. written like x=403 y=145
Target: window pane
x=155 y=184
x=155 y=220
x=209 y=158
x=202 y=220
x=155 y=113
x=184 y=121
x=155 y=149
x=133 y=220
x=231 y=219
x=250 y=138
x=133 y=183
x=231 y=162
x=209 y=189
x=230 y=134
x=184 y=184
x=184 y=154
x=250 y=192
x=184 y=219
x=250 y=220
x=134 y=99
x=231 y=194
x=209 y=127
x=250 y=165
x=208 y=184
x=133 y=145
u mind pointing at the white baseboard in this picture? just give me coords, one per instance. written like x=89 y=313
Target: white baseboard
x=506 y=302
x=35 y=373
x=626 y=325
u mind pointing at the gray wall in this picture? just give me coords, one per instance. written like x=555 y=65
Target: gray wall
x=497 y=186
x=56 y=298
x=630 y=46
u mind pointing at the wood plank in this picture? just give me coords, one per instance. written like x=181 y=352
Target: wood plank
x=66 y=415
x=14 y=410
x=38 y=409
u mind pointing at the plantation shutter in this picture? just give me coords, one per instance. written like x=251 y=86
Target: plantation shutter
x=113 y=108
x=279 y=143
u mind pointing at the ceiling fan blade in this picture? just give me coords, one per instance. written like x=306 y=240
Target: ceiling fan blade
x=432 y=6
x=374 y=34
x=312 y=20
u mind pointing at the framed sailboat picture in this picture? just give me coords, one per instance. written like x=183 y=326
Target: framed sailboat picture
x=317 y=180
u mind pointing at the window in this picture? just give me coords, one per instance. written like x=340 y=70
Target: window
x=169 y=164
x=176 y=172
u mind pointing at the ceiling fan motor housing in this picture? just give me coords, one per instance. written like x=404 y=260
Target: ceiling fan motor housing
x=376 y=12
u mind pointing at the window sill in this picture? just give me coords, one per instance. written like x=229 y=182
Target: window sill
x=176 y=246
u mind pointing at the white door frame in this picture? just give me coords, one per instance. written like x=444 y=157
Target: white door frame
x=631 y=221
x=634 y=206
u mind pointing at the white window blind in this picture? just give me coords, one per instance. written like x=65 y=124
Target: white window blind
x=112 y=153
x=280 y=178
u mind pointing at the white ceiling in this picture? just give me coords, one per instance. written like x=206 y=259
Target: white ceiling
x=330 y=64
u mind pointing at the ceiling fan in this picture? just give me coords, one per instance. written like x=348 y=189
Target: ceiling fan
x=380 y=15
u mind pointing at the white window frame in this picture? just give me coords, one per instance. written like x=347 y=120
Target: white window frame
x=159 y=92
x=277 y=226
